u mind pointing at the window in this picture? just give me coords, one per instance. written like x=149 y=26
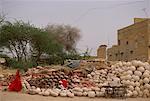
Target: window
x=122 y=53
x=131 y=52
x=127 y=42
x=116 y=54
x=136 y=40
x=118 y=42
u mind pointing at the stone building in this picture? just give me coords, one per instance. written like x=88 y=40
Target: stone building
x=101 y=52
x=133 y=42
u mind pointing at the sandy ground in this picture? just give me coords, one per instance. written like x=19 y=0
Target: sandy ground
x=10 y=96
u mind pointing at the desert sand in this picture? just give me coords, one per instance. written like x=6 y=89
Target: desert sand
x=12 y=96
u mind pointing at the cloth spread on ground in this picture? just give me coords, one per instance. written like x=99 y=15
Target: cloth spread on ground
x=64 y=83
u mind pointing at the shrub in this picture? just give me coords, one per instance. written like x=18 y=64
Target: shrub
x=13 y=63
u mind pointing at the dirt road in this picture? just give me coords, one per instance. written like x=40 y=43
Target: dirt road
x=10 y=96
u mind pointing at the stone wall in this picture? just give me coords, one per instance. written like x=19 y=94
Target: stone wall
x=101 y=52
x=133 y=43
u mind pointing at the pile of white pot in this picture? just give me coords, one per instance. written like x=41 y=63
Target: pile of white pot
x=46 y=92
x=90 y=92
x=76 y=91
x=135 y=75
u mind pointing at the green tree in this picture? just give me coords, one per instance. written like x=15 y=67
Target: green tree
x=15 y=43
x=24 y=42
x=2 y=18
x=14 y=38
x=42 y=43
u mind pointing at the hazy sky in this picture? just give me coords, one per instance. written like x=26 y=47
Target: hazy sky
x=98 y=20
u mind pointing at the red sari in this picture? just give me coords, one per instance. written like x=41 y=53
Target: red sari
x=16 y=85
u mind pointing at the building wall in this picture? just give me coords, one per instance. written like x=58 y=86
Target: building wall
x=133 y=43
x=149 y=39
x=136 y=20
x=112 y=53
x=101 y=52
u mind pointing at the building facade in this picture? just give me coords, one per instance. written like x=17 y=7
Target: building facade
x=133 y=42
x=101 y=52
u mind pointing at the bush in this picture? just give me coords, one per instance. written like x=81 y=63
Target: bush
x=73 y=56
x=3 y=56
x=56 y=60
x=13 y=63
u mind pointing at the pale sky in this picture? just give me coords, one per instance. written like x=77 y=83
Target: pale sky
x=98 y=20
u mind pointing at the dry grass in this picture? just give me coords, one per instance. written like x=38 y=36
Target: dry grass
x=7 y=71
